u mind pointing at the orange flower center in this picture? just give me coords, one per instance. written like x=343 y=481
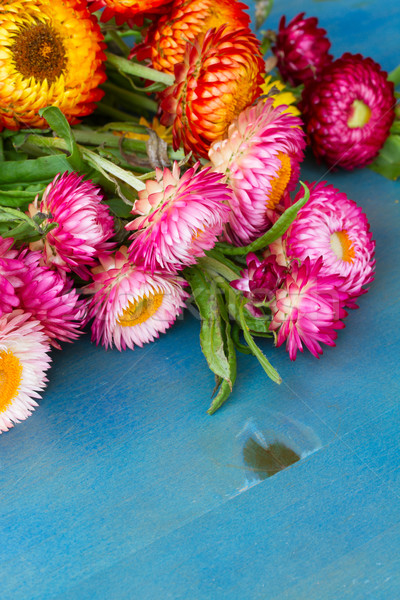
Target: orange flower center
x=138 y=311
x=10 y=378
x=342 y=246
x=38 y=51
x=280 y=182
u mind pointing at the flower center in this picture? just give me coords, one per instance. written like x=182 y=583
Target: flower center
x=280 y=181
x=360 y=114
x=138 y=311
x=342 y=246
x=39 y=52
x=10 y=378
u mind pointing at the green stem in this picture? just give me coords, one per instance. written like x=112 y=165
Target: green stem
x=110 y=111
x=210 y=263
x=264 y=362
x=134 y=100
x=118 y=41
x=395 y=76
x=132 y=68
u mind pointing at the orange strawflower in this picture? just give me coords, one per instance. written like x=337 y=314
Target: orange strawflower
x=186 y=20
x=51 y=53
x=215 y=82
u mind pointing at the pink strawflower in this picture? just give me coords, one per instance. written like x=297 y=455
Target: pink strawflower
x=259 y=281
x=307 y=309
x=260 y=159
x=348 y=111
x=181 y=217
x=10 y=276
x=302 y=49
x=49 y=296
x=131 y=306
x=85 y=224
x=334 y=227
x=24 y=361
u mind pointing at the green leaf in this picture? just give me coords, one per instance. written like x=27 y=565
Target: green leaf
x=212 y=330
x=33 y=170
x=226 y=386
x=264 y=362
x=278 y=229
x=263 y=9
x=17 y=198
x=387 y=162
x=60 y=125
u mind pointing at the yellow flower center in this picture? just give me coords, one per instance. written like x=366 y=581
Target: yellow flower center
x=360 y=114
x=38 y=51
x=138 y=311
x=10 y=378
x=280 y=181
x=342 y=246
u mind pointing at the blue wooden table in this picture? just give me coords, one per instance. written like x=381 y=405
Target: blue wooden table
x=121 y=487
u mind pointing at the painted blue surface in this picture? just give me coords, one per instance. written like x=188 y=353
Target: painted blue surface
x=120 y=486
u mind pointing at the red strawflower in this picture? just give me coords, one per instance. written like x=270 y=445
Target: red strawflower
x=166 y=38
x=215 y=82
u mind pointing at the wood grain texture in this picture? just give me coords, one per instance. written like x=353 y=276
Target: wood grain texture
x=120 y=486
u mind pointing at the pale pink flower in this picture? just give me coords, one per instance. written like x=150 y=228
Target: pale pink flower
x=181 y=216
x=84 y=224
x=131 y=306
x=260 y=159
x=10 y=275
x=307 y=309
x=334 y=227
x=49 y=296
x=24 y=361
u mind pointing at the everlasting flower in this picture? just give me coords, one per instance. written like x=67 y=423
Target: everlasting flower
x=51 y=299
x=23 y=364
x=334 y=227
x=84 y=228
x=307 y=309
x=348 y=112
x=51 y=54
x=260 y=158
x=182 y=217
x=214 y=83
x=302 y=49
x=275 y=89
x=259 y=281
x=130 y=306
x=128 y=10
x=11 y=269
x=186 y=20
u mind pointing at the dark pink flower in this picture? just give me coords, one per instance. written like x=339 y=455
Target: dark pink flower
x=348 y=111
x=302 y=49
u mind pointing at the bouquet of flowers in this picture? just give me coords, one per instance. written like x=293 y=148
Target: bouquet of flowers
x=150 y=161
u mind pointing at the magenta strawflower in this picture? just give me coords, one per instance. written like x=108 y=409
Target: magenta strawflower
x=24 y=361
x=334 y=227
x=260 y=159
x=10 y=275
x=348 y=111
x=259 y=281
x=131 y=306
x=85 y=225
x=50 y=298
x=302 y=49
x=181 y=216
x=307 y=309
